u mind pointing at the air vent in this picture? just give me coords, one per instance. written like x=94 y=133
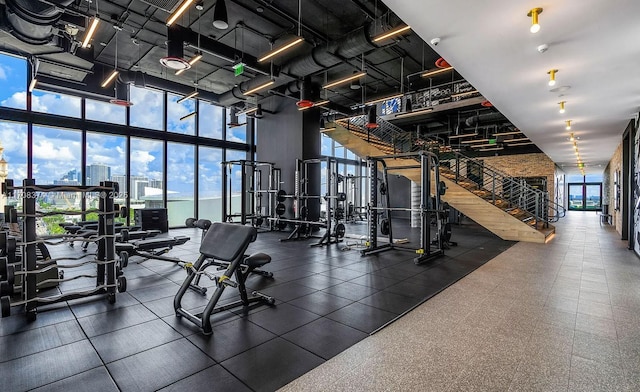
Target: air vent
x=167 y=5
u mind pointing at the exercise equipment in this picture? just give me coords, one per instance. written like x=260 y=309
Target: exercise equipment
x=153 y=248
x=109 y=278
x=226 y=243
x=253 y=207
x=430 y=206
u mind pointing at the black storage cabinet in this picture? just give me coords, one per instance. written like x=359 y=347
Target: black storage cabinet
x=152 y=219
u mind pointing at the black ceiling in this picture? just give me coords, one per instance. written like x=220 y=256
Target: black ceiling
x=337 y=42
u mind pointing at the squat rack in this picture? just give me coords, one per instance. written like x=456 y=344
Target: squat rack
x=428 y=164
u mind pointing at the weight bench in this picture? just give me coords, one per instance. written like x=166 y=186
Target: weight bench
x=223 y=242
x=153 y=248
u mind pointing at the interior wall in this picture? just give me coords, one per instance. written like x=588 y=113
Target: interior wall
x=287 y=135
x=525 y=165
x=399 y=195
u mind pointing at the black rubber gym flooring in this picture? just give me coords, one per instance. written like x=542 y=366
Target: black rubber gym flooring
x=327 y=299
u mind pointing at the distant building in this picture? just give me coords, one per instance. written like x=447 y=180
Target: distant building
x=97 y=173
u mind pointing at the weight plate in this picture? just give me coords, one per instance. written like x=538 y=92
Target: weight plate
x=280 y=209
x=3 y=267
x=190 y=222
x=124 y=259
x=304 y=212
x=442 y=188
x=123 y=212
x=384 y=227
x=11 y=275
x=383 y=188
x=281 y=225
x=340 y=230
x=342 y=196
x=281 y=195
x=124 y=235
x=122 y=284
x=6 y=288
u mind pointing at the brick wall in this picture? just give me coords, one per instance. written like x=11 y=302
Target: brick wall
x=525 y=165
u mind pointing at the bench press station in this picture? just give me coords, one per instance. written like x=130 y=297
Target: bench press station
x=152 y=248
x=223 y=242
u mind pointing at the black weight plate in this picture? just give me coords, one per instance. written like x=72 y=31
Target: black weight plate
x=342 y=196
x=190 y=222
x=340 y=230
x=384 y=227
x=280 y=209
x=5 y=304
x=281 y=195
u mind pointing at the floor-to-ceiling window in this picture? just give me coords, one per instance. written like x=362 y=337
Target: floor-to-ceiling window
x=180 y=182
x=585 y=192
x=120 y=147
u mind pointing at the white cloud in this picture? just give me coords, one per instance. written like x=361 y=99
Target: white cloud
x=3 y=73
x=63 y=105
x=18 y=100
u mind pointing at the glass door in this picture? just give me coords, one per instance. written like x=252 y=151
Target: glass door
x=586 y=196
x=576 y=200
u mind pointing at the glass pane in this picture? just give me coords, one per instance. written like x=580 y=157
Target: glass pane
x=210 y=184
x=210 y=120
x=351 y=155
x=13 y=137
x=52 y=103
x=592 y=193
x=237 y=133
x=145 y=189
x=576 y=201
x=148 y=108
x=105 y=112
x=57 y=156
x=107 y=161
x=234 y=181
x=176 y=111
x=180 y=183
x=593 y=178
x=326 y=145
x=13 y=77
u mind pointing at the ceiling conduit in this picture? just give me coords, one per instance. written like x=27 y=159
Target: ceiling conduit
x=322 y=57
x=33 y=21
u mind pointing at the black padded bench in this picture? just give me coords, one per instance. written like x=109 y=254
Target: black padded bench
x=223 y=242
x=153 y=248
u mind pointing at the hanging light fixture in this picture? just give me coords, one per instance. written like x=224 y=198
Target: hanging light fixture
x=233 y=117
x=92 y=28
x=281 y=49
x=115 y=72
x=568 y=127
x=175 y=51
x=396 y=31
x=188 y=96
x=436 y=72
x=259 y=87
x=187 y=116
x=572 y=137
x=183 y=7
x=561 y=103
x=259 y=113
x=220 y=18
x=552 y=76
x=305 y=94
x=371 y=117
x=533 y=14
x=356 y=75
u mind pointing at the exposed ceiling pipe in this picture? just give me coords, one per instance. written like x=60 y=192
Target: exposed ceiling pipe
x=483 y=118
x=33 y=21
x=141 y=79
x=321 y=57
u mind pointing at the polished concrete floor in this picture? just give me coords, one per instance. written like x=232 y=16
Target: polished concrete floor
x=327 y=299
x=564 y=316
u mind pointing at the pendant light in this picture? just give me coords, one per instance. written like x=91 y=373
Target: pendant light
x=220 y=18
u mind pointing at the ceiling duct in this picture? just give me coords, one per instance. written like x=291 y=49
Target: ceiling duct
x=33 y=21
x=352 y=45
x=483 y=118
x=175 y=50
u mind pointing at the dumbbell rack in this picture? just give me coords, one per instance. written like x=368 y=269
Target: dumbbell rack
x=109 y=277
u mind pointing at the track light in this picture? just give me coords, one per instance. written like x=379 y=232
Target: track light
x=220 y=19
x=391 y=33
x=92 y=30
x=568 y=127
x=281 y=49
x=192 y=114
x=533 y=14
x=355 y=76
x=110 y=78
x=193 y=94
x=260 y=87
x=571 y=137
x=183 y=7
x=552 y=77
x=435 y=72
x=561 y=103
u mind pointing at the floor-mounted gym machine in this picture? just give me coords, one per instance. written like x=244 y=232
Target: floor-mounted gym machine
x=430 y=205
x=257 y=197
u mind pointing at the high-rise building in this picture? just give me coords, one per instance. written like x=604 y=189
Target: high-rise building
x=97 y=172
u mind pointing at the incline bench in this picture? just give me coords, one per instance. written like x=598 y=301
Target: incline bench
x=152 y=248
x=224 y=242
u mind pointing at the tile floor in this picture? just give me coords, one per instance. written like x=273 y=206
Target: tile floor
x=564 y=316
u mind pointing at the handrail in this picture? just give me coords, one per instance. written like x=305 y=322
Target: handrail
x=512 y=194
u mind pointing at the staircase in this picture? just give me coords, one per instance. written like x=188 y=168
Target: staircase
x=509 y=208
